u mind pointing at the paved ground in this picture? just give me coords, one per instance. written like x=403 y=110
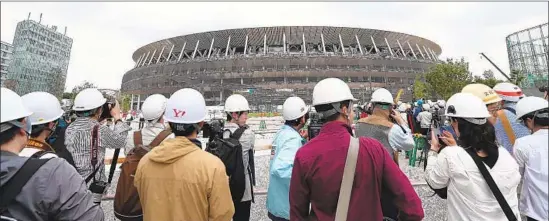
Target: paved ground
x=435 y=208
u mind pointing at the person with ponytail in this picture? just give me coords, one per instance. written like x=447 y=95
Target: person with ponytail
x=455 y=166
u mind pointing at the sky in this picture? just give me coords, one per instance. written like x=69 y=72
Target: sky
x=106 y=34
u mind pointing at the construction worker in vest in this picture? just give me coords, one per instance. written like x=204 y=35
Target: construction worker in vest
x=46 y=112
x=386 y=125
x=176 y=180
x=488 y=96
x=237 y=108
x=507 y=127
x=531 y=153
x=287 y=140
x=54 y=188
x=468 y=195
x=153 y=108
x=318 y=166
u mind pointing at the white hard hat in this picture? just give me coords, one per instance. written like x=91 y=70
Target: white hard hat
x=12 y=106
x=402 y=107
x=88 y=99
x=485 y=93
x=426 y=107
x=530 y=105
x=441 y=103
x=468 y=107
x=236 y=103
x=294 y=108
x=331 y=90
x=185 y=106
x=508 y=91
x=430 y=102
x=154 y=106
x=45 y=107
x=382 y=95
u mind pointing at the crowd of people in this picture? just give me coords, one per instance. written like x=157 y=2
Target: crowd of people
x=487 y=156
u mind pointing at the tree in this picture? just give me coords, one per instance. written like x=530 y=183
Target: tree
x=487 y=79
x=517 y=77
x=67 y=95
x=81 y=87
x=125 y=101
x=448 y=78
x=421 y=89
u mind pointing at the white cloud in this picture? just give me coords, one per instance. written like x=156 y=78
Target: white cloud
x=106 y=34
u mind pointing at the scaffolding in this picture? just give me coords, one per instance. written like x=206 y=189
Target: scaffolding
x=528 y=53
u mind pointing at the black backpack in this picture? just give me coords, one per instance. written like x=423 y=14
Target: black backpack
x=13 y=187
x=229 y=150
x=59 y=146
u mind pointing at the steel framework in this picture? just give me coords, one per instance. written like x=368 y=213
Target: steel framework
x=528 y=52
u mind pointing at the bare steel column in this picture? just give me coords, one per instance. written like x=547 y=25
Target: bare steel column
x=246 y=45
x=420 y=52
x=160 y=55
x=227 y=49
x=373 y=42
x=409 y=46
x=211 y=45
x=389 y=46
x=323 y=45
x=401 y=49
x=170 y=55
x=359 y=46
x=182 y=51
x=152 y=56
x=341 y=43
x=195 y=48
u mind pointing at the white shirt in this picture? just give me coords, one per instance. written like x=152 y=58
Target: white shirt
x=29 y=151
x=425 y=118
x=531 y=153
x=400 y=140
x=469 y=197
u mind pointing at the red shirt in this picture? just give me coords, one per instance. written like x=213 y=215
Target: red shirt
x=318 y=171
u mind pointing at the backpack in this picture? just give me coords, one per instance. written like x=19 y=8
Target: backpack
x=59 y=146
x=229 y=151
x=13 y=187
x=127 y=206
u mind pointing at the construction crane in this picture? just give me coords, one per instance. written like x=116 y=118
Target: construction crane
x=500 y=71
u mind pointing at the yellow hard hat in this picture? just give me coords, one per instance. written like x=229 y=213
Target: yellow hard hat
x=485 y=93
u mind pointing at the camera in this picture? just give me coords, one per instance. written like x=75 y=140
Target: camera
x=106 y=110
x=543 y=89
x=315 y=124
x=98 y=188
x=213 y=129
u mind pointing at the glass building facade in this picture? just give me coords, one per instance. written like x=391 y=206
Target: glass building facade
x=6 y=54
x=40 y=59
x=527 y=50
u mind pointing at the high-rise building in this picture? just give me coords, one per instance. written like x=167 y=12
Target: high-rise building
x=528 y=53
x=6 y=51
x=40 y=59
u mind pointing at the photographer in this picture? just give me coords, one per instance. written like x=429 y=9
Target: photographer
x=89 y=106
x=467 y=170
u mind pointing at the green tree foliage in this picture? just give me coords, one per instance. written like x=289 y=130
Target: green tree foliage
x=125 y=101
x=81 y=87
x=517 y=77
x=421 y=89
x=487 y=78
x=449 y=77
x=67 y=95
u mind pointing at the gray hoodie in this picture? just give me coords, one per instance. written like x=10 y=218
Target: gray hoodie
x=55 y=192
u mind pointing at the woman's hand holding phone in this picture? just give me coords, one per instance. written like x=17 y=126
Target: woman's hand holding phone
x=448 y=138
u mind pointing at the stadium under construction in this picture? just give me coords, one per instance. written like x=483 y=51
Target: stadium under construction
x=268 y=64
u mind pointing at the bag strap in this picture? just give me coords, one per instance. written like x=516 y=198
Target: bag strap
x=94 y=153
x=13 y=187
x=507 y=126
x=113 y=167
x=40 y=153
x=137 y=139
x=510 y=109
x=493 y=187
x=238 y=133
x=347 y=182
x=159 y=138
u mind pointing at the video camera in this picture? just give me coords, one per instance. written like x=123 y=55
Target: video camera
x=213 y=129
x=315 y=124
